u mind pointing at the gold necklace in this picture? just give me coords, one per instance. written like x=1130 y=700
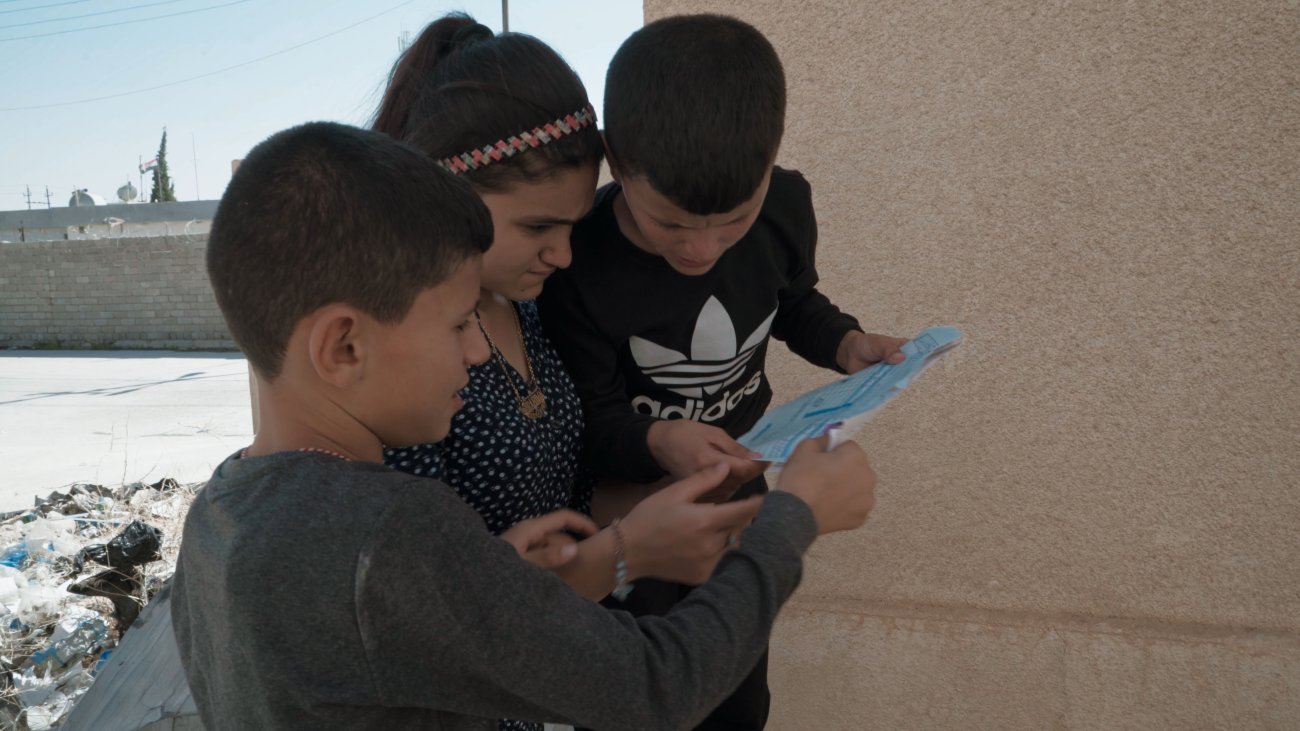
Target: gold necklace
x=532 y=405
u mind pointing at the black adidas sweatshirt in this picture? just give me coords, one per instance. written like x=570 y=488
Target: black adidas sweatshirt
x=644 y=342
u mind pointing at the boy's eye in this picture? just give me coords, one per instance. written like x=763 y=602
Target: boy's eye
x=537 y=228
x=472 y=319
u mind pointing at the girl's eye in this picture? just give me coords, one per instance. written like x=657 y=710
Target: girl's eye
x=537 y=228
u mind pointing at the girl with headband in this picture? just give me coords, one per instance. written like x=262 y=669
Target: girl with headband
x=510 y=116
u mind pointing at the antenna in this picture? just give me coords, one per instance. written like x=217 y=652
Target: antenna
x=28 y=194
x=195 y=155
x=505 y=16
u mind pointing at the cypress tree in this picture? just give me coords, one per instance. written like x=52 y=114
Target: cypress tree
x=163 y=187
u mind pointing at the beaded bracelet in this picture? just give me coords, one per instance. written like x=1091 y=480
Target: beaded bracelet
x=621 y=587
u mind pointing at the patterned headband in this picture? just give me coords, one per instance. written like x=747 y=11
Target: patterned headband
x=511 y=146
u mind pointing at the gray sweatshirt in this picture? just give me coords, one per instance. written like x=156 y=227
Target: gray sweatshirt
x=314 y=593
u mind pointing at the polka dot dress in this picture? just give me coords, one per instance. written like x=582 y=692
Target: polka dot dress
x=506 y=466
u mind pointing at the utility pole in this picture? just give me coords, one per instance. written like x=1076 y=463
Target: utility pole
x=47 y=196
x=505 y=16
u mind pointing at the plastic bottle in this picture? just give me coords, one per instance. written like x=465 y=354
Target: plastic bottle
x=85 y=639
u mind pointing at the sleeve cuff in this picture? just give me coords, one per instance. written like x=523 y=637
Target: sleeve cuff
x=634 y=461
x=798 y=526
x=843 y=325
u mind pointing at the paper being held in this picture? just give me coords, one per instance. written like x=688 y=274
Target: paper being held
x=841 y=408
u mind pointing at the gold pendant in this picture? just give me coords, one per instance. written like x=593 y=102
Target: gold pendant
x=533 y=405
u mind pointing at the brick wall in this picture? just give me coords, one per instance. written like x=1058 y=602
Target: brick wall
x=148 y=292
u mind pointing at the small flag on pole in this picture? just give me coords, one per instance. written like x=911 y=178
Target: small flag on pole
x=148 y=165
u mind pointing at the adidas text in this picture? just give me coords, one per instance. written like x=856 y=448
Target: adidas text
x=694 y=409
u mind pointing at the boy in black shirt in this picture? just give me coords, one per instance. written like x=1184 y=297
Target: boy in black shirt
x=317 y=589
x=698 y=251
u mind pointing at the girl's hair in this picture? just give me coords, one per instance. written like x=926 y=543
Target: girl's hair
x=460 y=87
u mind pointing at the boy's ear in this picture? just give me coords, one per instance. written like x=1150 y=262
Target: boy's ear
x=609 y=160
x=335 y=344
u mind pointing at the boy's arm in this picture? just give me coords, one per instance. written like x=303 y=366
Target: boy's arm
x=614 y=438
x=668 y=535
x=452 y=619
x=806 y=320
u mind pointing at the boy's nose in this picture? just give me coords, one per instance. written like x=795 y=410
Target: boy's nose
x=703 y=245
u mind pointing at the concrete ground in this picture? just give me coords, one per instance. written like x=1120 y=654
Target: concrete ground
x=109 y=417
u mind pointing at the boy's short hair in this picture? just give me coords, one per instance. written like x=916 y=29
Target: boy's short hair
x=325 y=213
x=695 y=104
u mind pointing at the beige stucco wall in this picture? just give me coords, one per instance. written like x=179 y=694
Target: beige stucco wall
x=1088 y=516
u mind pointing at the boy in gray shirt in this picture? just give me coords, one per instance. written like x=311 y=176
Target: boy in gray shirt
x=318 y=589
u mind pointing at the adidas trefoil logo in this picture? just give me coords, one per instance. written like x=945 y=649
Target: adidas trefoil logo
x=715 y=362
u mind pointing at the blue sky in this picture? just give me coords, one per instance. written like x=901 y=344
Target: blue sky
x=337 y=75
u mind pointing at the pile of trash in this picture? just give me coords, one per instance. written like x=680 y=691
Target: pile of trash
x=75 y=572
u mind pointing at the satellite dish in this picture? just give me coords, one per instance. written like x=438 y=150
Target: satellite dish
x=127 y=193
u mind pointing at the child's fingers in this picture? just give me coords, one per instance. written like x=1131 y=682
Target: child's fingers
x=534 y=533
x=564 y=520
x=744 y=470
x=554 y=554
x=733 y=448
x=719 y=494
x=811 y=446
x=893 y=349
x=733 y=516
x=690 y=488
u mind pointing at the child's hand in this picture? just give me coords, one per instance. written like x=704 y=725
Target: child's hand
x=684 y=447
x=544 y=540
x=672 y=536
x=838 y=485
x=858 y=350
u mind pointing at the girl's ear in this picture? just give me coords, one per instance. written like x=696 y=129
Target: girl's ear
x=336 y=344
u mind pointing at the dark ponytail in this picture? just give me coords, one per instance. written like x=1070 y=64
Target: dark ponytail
x=460 y=86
